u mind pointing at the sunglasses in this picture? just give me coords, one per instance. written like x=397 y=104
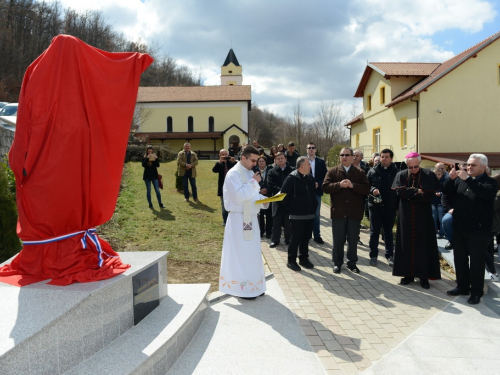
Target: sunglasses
x=345 y=155
x=415 y=167
x=311 y=148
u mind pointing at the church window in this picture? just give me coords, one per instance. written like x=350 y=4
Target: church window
x=376 y=140
x=211 y=124
x=382 y=95
x=190 y=124
x=369 y=103
x=230 y=71
x=169 y=124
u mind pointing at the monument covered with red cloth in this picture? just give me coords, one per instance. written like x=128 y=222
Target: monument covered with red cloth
x=75 y=111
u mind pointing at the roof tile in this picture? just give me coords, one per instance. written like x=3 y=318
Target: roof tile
x=194 y=94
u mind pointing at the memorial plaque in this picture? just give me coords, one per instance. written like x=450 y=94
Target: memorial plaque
x=146 y=291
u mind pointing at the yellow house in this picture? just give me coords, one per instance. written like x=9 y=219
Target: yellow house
x=208 y=117
x=444 y=111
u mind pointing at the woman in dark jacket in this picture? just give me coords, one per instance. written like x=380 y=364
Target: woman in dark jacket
x=150 y=162
x=265 y=216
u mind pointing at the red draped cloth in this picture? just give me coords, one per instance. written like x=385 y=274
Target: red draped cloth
x=75 y=110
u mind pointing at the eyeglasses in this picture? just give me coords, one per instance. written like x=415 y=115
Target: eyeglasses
x=311 y=148
x=252 y=160
x=344 y=155
x=356 y=156
x=415 y=167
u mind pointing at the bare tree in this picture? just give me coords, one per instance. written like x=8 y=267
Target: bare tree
x=329 y=124
x=299 y=125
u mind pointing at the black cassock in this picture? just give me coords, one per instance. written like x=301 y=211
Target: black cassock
x=416 y=252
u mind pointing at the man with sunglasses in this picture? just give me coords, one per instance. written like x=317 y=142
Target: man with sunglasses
x=473 y=193
x=347 y=186
x=318 y=171
x=416 y=253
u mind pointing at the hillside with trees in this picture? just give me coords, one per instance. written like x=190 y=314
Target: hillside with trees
x=28 y=26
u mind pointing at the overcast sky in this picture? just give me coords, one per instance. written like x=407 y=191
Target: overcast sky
x=290 y=50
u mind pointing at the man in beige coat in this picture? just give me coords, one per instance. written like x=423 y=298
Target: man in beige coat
x=187 y=162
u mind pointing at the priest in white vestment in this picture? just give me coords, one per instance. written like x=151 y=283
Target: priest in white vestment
x=242 y=269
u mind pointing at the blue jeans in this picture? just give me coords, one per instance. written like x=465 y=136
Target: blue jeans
x=224 y=212
x=192 y=181
x=316 y=226
x=447 y=224
x=148 y=190
x=437 y=214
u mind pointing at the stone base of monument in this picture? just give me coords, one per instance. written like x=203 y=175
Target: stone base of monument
x=89 y=328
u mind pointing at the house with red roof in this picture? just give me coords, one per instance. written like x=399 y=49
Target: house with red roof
x=444 y=111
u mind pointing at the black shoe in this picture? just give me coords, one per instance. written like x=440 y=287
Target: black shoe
x=390 y=260
x=151 y=205
x=319 y=240
x=336 y=269
x=162 y=205
x=268 y=236
x=457 y=292
x=287 y=242
x=294 y=266
x=306 y=263
x=474 y=300
x=424 y=283
x=274 y=244
x=407 y=280
x=249 y=298
x=449 y=246
x=353 y=269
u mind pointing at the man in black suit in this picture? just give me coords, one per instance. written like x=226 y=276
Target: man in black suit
x=382 y=204
x=275 y=179
x=318 y=171
x=473 y=194
x=224 y=164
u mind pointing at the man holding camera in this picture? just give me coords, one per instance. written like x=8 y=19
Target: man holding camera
x=382 y=205
x=224 y=164
x=473 y=194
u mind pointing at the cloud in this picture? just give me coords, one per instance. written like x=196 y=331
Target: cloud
x=315 y=50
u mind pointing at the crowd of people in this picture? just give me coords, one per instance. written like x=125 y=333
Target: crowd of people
x=459 y=202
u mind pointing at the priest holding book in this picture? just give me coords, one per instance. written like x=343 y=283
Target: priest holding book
x=242 y=268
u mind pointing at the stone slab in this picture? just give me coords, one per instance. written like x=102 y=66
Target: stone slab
x=241 y=337
x=69 y=323
x=153 y=345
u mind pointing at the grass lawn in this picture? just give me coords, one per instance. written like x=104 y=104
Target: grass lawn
x=191 y=232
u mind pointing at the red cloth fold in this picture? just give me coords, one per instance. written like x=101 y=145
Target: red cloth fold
x=75 y=111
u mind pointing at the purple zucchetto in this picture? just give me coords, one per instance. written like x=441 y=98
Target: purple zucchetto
x=412 y=154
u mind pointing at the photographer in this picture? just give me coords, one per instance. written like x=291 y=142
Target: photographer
x=150 y=164
x=224 y=164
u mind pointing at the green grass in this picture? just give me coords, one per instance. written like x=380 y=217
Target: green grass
x=191 y=232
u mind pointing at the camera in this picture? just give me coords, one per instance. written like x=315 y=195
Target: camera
x=227 y=158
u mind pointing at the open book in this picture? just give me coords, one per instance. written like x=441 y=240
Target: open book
x=275 y=198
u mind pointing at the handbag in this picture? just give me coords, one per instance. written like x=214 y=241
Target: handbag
x=160 y=181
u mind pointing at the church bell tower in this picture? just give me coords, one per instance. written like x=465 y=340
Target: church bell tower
x=231 y=71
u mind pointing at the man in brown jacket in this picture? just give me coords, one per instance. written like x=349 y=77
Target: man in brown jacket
x=186 y=164
x=347 y=186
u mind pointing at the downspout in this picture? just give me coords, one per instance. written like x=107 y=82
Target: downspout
x=416 y=138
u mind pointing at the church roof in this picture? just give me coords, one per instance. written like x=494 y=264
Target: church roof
x=194 y=94
x=231 y=58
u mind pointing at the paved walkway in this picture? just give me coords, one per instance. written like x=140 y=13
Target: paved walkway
x=353 y=321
